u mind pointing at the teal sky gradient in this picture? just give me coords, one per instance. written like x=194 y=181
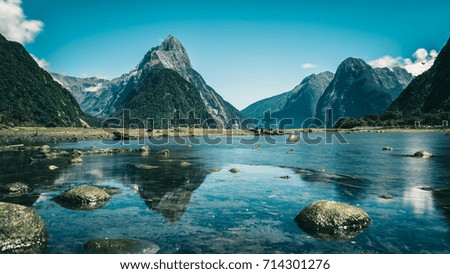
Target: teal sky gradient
x=245 y=50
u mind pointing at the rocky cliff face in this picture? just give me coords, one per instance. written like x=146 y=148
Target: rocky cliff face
x=302 y=101
x=83 y=89
x=171 y=54
x=358 y=89
x=428 y=92
x=28 y=94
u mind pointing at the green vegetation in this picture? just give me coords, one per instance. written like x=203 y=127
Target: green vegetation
x=163 y=95
x=394 y=119
x=28 y=94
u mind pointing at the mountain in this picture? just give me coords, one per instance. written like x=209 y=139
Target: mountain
x=83 y=89
x=299 y=103
x=274 y=103
x=357 y=89
x=28 y=94
x=159 y=94
x=302 y=101
x=171 y=54
x=428 y=92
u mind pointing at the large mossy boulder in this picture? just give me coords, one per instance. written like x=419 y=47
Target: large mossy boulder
x=330 y=220
x=123 y=246
x=83 y=198
x=22 y=230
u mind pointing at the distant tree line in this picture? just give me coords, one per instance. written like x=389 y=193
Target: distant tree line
x=395 y=119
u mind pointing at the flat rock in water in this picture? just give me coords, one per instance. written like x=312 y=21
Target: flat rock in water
x=112 y=190
x=15 y=188
x=22 y=230
x=120 y=246
x=388 y=148
x=142 y=166
x=184 y=163
x=423 y=154
x=334 y=221
x=386 y=196
x=83 y=198
x=77 y=160
x=234 y=170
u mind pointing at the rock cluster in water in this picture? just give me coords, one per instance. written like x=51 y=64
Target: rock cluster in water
x=330 y=220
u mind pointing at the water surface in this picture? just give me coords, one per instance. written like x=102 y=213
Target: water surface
x=190 y=209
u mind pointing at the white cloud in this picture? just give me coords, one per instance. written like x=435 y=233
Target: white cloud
x=14 y=25
x=41 y=62
x=309 y=65
x=94 y=88
x=420 y=54
x=433 y=53
x=385 y=61
x=423 y=60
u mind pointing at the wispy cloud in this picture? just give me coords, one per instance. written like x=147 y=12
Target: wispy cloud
x=14 y=25
x=309 y=65
x=421 y=62
x=41 y=62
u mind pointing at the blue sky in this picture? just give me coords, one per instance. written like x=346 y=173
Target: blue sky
x=246 y=50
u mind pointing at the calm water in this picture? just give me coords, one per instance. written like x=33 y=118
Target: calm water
x=193 y=210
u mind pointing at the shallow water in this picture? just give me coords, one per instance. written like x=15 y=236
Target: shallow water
x=190 y=209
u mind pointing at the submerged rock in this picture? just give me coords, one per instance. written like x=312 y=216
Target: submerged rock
x=44 y=148
x=22 y=230
x=77 y=160
x=121 y=246
x=143 y=166
x=15 y=188
x=164 y=152
x=56 y=154
x=112 y=190
x=293 y=138
x=215 y=169
x=144 y=149
x=83 y=198
x=388 y=148
x=330 y=220
x=184 y=163
x=423 y=154
x=386 y=196
x=234 y=170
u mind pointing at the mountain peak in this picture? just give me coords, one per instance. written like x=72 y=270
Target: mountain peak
x=354 y=63
x=170 y=54
x=171 y=43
